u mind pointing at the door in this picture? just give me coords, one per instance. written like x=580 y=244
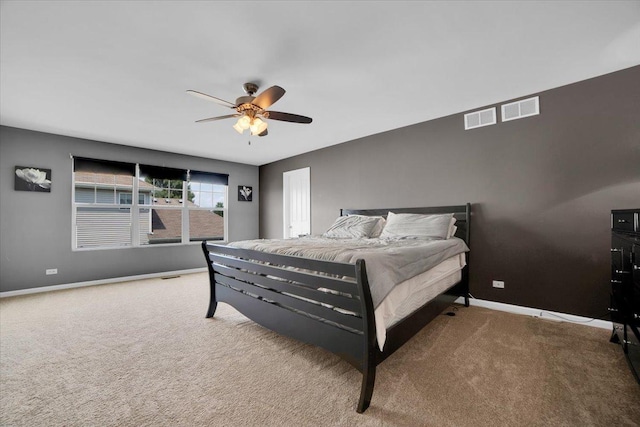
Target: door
x=297 y=202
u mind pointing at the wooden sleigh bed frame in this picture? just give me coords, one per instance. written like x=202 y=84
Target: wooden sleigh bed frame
x=259 y=285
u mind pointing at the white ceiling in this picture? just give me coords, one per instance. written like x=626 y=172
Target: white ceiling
x=118 y=71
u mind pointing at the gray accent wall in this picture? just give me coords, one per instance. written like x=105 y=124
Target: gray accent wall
x=35 y=228
x=542 y=188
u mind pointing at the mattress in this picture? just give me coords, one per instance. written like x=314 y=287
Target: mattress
x=410 y=295
x=389 y=262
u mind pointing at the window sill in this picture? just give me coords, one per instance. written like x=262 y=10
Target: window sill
x=163 y=245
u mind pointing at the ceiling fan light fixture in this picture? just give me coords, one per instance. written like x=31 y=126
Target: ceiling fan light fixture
x=257 y=126
x=242 y=124
x=238 y=128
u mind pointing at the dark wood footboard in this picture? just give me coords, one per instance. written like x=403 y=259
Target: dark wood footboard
x=265 y=288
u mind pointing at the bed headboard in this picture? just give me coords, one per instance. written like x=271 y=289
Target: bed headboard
x=462 y=213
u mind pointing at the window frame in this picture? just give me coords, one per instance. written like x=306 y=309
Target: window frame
x=134 y=213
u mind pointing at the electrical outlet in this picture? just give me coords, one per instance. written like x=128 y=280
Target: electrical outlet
x=50 y=271
x=498 y=284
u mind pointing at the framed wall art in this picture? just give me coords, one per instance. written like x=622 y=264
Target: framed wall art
x=32 y=179
x=245 y=193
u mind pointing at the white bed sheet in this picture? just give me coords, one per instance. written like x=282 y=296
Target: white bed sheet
x=412 y=294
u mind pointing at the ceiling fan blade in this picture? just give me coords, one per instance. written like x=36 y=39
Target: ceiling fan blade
x=287 y=117
x=268 y=97
x=264 y=133
x=213 y=119
x=211 y=98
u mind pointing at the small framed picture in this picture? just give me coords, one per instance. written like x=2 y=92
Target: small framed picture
x=245 y=193
x=32 y=179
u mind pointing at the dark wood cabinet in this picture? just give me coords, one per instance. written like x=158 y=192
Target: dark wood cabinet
x=625 y=284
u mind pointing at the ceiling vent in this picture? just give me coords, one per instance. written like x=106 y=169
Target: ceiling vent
x=520 y=109
x=480 y=118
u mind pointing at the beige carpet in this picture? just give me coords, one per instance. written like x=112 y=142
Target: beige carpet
x=142 y=353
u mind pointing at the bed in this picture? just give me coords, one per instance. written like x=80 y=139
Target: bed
x=329 y=303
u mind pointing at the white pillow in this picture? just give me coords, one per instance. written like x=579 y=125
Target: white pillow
x=417 y=226
x=351 y=227
x=377 y=228
x=452 y=228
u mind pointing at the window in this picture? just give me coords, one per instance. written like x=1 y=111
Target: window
x=126 y=198
x=207 y=203
x=172 y=206
x=100 y=220
x=164 y=212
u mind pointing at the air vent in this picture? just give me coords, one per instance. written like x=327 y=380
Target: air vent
x=480 y=118
x=520 y=109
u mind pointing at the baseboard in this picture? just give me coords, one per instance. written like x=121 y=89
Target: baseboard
x=536 y=312
x=99 y=282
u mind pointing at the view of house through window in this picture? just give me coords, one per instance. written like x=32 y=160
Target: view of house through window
x=171 y=205
x=208 y=198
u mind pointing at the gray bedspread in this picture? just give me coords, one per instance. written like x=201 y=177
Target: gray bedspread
x=389 y=262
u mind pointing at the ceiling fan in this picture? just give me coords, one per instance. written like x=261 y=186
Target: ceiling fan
x=251 y=110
